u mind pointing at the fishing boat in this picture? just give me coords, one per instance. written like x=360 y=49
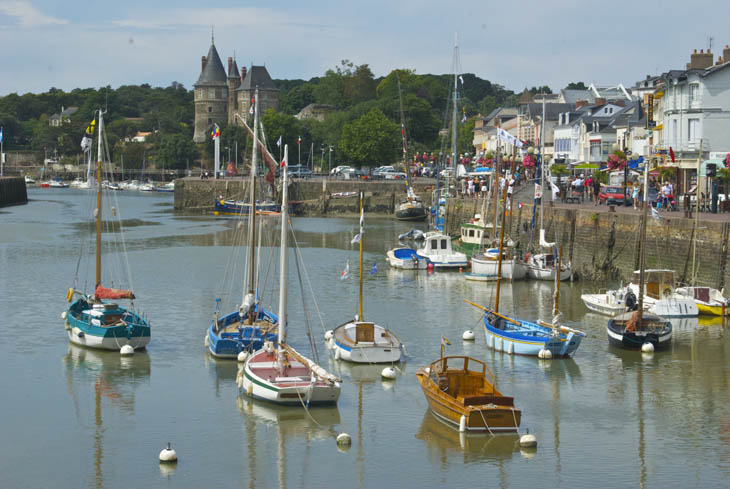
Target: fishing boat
x=406 y=259
x=659 y=296
x=521 y=337
x=277 y=373
x=247 y=328
x=461 y=391
x=79 y=182
x=55 y=184
x=611 y=302
x=709 y=301
x=632 y=330
x=361 y=341
x=89 y=320
x=410 y=208
x=486 y=263
x=241 y=208
x=474 y=235
x=437 y=249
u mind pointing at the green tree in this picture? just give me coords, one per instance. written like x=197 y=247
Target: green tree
x=174 y=151
x=284 y=125
x=331 y=89
x=131 y=153
x=576 y=86
x=297 y=98
x=371 y=140
x=359 y=85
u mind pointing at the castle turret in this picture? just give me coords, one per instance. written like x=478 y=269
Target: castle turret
x=211 y=95
x=233 y=83
x=257 y=77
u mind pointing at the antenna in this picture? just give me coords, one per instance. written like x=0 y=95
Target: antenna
x=710 y=42
x=212 y=35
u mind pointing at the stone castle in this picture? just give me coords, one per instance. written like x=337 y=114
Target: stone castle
x=220 y=97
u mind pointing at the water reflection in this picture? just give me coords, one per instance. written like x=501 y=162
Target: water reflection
x=114 y=379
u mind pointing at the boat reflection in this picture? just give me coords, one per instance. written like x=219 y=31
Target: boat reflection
x=114 y=380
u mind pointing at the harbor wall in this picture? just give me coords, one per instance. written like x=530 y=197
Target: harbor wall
x=12 y=191
x=605 y=245
x=315 y=197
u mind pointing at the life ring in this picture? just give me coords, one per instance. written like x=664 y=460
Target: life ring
x=70 y=294
x=666 y=291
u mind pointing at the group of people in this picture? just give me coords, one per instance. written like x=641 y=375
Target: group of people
x=581 y=188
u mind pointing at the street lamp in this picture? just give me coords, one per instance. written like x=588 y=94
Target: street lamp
x=330 y=163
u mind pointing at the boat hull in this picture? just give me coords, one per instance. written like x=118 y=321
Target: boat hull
x=634 y=341
x=512 y=269
x=529 y=338
x=223 y=344
x=93 y=332
x=238 y=208
x=480 y=277
x=411 y=214
x=383 y=347
x=601 y=303
x=292 y=385
x=406 y=259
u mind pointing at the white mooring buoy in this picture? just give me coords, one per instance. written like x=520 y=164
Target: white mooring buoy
x=242 y=356
x=462 y=424
x=389 y=373
x=64 y=315
x=328 y=335
x=344 y=440
x=127 y=350
x=206 y=341
x=468 y=335
x=528 y=440
x=647 y=347
x=545 y=354
x=168 y=455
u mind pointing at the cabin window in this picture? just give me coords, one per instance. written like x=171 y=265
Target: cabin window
x=443 y=244
x=434 y=245
x=471 y=233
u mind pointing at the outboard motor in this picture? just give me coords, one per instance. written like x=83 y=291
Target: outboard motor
x=631 y=301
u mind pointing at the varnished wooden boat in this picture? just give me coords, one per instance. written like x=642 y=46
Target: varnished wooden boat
x=460 y=390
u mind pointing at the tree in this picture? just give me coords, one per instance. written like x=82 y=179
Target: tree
x=359 y=85
x=284 y=125
x=576 y=86
x=174 y=151
x=331 y=89
x=371 y=140
x=297 y=98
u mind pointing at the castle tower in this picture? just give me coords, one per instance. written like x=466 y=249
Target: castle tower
x=234 y=81
x=211 y=95
x=257 y=77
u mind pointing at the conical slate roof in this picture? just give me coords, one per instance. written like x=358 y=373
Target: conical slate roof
x=259 y=77
x=213 y=73
x=233 y=71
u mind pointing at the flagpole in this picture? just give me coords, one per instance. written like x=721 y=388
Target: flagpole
x=2 y=155
x=361 y=238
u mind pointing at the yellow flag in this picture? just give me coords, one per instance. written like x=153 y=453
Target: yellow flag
x=91 y=127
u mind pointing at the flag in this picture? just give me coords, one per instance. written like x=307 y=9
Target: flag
x=358 y=236
x=85 y=144
x=519 y=205
x=299 y=140
x=374 y=269
x=250 y=111
x=90 y=128
x=283 y=163
x=655 y=214
x=461 y=79
x=671 y=154
x=1 y=134
x=278 y=143
x=444 y=341
x=216 y=132
x=346 y=272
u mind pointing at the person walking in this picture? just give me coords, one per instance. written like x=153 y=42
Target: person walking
x=635 y=196
x=596 y=190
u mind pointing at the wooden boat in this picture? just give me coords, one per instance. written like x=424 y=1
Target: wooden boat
x=406 y=259
x=241 y=208
x=277 y=373
x=362 y=341
x=410 y=208
x=461 y=391
x=91 y=322
x=251 y=325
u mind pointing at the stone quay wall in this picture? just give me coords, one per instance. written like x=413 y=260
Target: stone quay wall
x=12 y=191
x=311 y=197
x=605 y=245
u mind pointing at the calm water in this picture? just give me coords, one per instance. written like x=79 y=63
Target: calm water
x=79 y=418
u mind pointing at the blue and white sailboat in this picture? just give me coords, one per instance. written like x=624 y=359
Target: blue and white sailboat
x=247 y=328
x=521 y=337
x=91 y=322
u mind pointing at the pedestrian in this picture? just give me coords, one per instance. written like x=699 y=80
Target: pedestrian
x=635 y=196
x=596 y=190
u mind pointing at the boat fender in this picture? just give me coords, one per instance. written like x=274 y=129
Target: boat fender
x=527 y=256
x=510 y=348
x=64 y=315
x=388 y=373
x=78 y=332
x=647 y=347
x=462 y=424
x=468 y=335
x=329 y=334
x=126 y=350
x=206 y=341
x=343 y=439
x=242 y=356
x=168 y=455
x=70 y=294
x=249 y=389
x=545 y=354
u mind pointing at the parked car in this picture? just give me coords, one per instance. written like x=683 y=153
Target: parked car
x=339 y=169
x=299 y=171
x=379 y=172
x=394 y=175
x=613 y=196
x=353 y=174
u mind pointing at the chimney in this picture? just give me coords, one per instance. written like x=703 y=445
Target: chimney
x=581 y=103
x=203 y=61
x=243 y=74
x=726 y=54
x=620 y=103
x=230 y=64
x=701 y=60
x=599 y=101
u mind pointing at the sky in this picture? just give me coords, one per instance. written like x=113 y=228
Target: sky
x=80 y=44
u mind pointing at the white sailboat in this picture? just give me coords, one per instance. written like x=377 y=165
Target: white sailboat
x=277 y=373
x=362 y=341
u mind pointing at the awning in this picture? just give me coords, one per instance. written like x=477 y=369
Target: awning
x=586 y=166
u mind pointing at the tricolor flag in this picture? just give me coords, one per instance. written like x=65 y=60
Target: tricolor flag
x=374 y=269
x=278 y=143
x=519 y=205
x=1 y=134
x=299 y=140
x=250 y=111
x=346 y=272
x=358 y=236
x=444 y=341
x=216 y=132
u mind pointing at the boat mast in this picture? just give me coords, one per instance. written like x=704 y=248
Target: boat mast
x=542 y=171
x=557 y=284
x=360 y=317
x=642 y=249
x=403 y=138
x=501 y=247
x=697 y=217
x=284 y=253
x=252 y=213
x=98 y=203
x=456 y=96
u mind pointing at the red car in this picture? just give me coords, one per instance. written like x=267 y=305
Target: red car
x=612 y=195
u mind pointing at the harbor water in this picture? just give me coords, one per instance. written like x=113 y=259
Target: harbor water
x=78 y=418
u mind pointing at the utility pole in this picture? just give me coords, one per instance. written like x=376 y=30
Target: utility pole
x=2 y=154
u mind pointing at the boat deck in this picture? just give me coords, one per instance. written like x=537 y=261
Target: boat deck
x=291 y=374
x=263 y=325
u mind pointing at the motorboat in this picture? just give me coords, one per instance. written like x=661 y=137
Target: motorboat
x=406 y=259
x=437 y=249
x=487 y=263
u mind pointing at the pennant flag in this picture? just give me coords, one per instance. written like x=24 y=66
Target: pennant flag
x=519 y=205
x=283 y=163
x=216 y=132
x=1 y=134
x=250 y=111
x=346 y=272
x=461 y=79
x=278 y=143
x=655 y=214
x=90 y=128
x=671 y=154
x=85 y=144
x=444 y=341
x=358 y=236
x=299 y=140
x=374 y=269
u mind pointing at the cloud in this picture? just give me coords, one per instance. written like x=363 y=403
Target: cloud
x=26 y=15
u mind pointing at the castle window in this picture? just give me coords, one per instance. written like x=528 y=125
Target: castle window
x=199 y=93
x=211 y=93
x=210 y=109
x=210 y=121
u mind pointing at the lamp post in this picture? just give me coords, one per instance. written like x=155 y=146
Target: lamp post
x=330 y=163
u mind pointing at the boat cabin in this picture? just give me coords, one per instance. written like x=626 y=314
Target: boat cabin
x=657 y=282
x=468 y=380
x=437 y=244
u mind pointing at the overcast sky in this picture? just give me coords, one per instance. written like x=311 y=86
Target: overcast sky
x=69 y=44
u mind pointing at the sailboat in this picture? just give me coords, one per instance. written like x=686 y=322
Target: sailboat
x=89 y=321
x=277 y=372
x=521 y=337
x=362 y=341
x=542 y=266
x=251 y=325
x=632 y=330
x=411 y=207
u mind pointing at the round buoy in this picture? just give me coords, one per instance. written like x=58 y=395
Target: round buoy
x=168 y=455
x=328 y=335
x=528 y=441
x=468 y=335
x=127 y=350
x=242 y=356
x=389 y=373
x=460 y=270
x=545 y=354
x=462 y=424
x=430 y=267
x=206 y=341
x=64 y=315
x=344 y=440
x=647 y=347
